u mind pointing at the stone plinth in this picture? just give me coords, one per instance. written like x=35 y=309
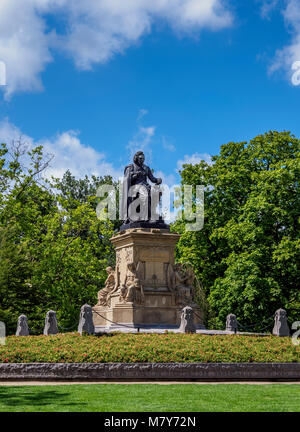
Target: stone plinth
x=142 y=290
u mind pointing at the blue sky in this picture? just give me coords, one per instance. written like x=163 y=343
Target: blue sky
x=176 y=79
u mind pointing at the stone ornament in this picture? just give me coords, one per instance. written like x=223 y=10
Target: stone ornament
x=22 y=326
x=187 y=321
x=51 y=327
x=281 y=327
x=231 y=323
x=111 y=286
x=86 y=324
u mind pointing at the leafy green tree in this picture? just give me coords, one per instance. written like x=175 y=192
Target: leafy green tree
x=54 y=250
x=247 y=254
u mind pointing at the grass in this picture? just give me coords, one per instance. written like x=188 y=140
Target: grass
x=162 y=348
x=151 y=398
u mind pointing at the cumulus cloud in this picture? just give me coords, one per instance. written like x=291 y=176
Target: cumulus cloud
x=94 y=31
x=167 y=145
x=24 y=45
x=141 y=141
x=267 y=7
x=9 y=133
x=168 y=179
x=193 y=159
x=68 y=151
x=286 y=57
x=142 y=113
x=71 y=154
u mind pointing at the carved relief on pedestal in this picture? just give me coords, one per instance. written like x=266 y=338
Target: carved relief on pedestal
x=128 y=252
x=118 y=258
x=125 y=255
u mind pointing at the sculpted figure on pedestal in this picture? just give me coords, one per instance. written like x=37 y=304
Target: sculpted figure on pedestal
x=111 y=286
x=136 y=175
x=181 y=282
x=231 y=323
x=281 y=327
x=132 y=290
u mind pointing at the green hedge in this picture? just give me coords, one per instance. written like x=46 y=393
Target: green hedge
x=169 y=348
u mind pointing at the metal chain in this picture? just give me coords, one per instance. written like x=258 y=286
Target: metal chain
x=36 y=331
x=68 y=328
x=254 y=325
x=248 y=327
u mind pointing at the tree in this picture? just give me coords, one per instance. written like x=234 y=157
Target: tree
x=247 y=253
x=54 y=250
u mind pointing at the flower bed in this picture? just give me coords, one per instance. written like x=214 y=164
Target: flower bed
x=136 y=348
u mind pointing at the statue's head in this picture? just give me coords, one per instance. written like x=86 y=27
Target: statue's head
x=109 y=270
x=139 y=158
x=280 y=314
x=178 y=267
x=231 y=320
x=22 y=319
x=51 y=316
x=136 y=282
x=131 y=266
x=86 y=310
x=187 y=313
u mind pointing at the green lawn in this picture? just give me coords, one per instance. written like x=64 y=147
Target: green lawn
x=151 y=398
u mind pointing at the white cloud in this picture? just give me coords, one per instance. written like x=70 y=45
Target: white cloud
x=168 y=179
x=167 y=145
x=68 y=151
x=267 y=7
x=94 y=31
x=141 y=141
x=24 y=46
x=193 y=159
x=10 y=133
x=142 y=113
x=291 y=53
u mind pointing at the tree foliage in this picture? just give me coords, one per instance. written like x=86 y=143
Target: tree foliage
x=247 y=253
x=53 y=249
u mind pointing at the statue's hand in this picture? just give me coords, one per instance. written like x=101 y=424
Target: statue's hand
x=159 y=180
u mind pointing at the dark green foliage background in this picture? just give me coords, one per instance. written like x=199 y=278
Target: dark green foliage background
x=247 y=254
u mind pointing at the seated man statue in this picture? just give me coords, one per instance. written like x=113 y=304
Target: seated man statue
x=135 y=186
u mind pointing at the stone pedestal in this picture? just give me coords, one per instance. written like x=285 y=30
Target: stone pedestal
x=146 y=255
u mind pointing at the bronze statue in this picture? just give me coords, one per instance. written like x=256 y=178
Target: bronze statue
x=135 y=183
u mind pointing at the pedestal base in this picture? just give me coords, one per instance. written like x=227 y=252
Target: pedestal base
x=159 y=310
x=158 y=303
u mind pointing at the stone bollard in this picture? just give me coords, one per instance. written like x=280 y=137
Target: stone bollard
x=231 y=323
x=187 y=321
x=51 y=327
x=281 y=327
x=22 y=326
x=86 y=324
